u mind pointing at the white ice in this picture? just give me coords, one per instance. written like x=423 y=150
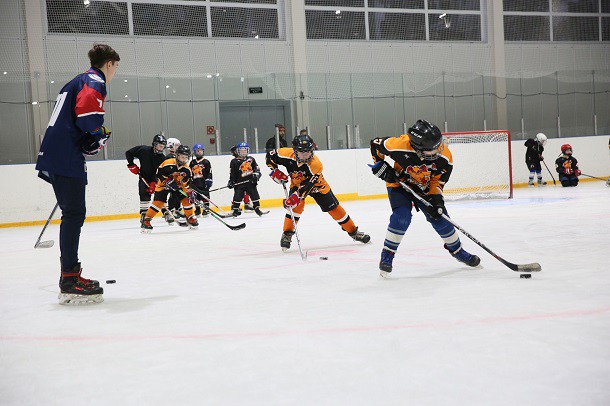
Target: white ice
x=220 y=317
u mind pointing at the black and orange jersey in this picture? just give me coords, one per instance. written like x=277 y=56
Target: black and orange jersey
x=428 y=177
x=306 y=177
x=243 y=169
x=566 y=165
x=201 y=170
x=170 y=170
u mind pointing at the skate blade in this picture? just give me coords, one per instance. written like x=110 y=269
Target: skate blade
x=145 y=231
x=193 y=227
x=385 y=275
x=284 y=249
x=72 y=299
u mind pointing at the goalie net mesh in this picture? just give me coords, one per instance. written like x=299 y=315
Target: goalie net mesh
x=482 y=165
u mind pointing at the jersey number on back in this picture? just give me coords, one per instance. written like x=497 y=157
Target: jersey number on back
x=59 y=102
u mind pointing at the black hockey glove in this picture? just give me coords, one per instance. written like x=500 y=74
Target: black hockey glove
x=230 y=184
x=93 y=142
x=384 y=171
x=255 y=177
x=438 y=206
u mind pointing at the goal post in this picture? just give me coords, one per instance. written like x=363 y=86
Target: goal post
x=482 y=165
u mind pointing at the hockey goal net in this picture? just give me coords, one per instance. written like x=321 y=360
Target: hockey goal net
x=481 y=165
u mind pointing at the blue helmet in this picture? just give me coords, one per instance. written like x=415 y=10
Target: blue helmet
x=243 y=149
x=196 y=147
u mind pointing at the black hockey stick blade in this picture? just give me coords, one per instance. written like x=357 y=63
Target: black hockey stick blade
x=217 y=217
x=44 y=244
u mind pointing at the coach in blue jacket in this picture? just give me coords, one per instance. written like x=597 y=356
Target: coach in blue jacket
x=76 y=130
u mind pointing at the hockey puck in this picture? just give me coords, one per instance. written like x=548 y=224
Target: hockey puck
x=324 y=258
x=109 y=281
x=525 y=276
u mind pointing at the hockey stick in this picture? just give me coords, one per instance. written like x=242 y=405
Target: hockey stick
x=48 y=243
x=549 y=171
x=214 y=214
x=226 y=187
x=533 y=267
x=294 y=223
x=594 y=177
x=200 y=193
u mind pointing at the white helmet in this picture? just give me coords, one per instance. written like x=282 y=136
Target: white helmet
x=541 y=138
x=173 y=144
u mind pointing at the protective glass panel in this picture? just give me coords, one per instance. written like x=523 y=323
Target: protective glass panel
x=454 y=4
x=575 y=29
x=344 y=3
x=455 y=27
x=87 y=17
x=527 y=28
x=244 y=22
x=605 y=28
x=244 y=1
x=526 y=5
x=406 y=4
x=332 y=25
x=169 y=20
x=397 y=26
x=576 y=6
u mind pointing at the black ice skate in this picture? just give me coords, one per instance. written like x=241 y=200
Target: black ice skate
x=385 y=264
x=530 y=183
x=145 y=226
x=248 y=207
x=236 y=212
x=541 y=182
x=463 y=256
x=192 y=223
x=259 y=212
x=168 y=218
x=286 y=240
x=76 y=290
x=360 y=236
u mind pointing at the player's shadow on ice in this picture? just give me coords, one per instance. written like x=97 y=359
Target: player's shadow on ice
x=118 y=305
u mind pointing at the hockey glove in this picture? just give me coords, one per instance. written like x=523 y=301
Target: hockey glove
x=255 y=177
x=94 y=141
x=192 y=196
x=151 y=188
x=292 y=201
x=230 y=184
x=208 y=183
x=438 y=206
x=577 y=172
x=135 y=169
x=278 y=176
x=384 y=170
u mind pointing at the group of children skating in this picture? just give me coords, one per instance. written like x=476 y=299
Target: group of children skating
x=565 y=165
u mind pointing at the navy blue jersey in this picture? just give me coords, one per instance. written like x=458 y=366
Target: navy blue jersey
x=78 y=111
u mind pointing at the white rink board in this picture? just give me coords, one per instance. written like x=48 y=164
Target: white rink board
x=113 y=189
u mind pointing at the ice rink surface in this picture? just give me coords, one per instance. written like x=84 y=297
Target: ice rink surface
x=221 y=317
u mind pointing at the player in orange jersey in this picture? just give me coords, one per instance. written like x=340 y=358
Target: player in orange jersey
x=306 y=179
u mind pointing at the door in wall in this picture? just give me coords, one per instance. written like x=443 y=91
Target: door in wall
x=235 y=116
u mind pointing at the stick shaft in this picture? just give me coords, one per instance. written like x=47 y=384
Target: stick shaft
x=549 y=171
x=46 y=224
x=294 y=223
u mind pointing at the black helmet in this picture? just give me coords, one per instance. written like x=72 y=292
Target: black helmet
x=425 y=137
x=183 y=150
x=303 y=143
x=159 y=139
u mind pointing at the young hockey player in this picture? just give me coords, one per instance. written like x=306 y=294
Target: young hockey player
x=76 y=129
x=424 y=163
x=247 y=201
x=567 y=167
x=174 y=174
x=533 y=157
x=306 y=179
x=244 y=176
x=173 y=202
x=150 y=158
x=202 y=177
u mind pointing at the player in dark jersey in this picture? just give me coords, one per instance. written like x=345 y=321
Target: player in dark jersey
x=244 y=175
x=173 y=201
x=247 y=201
x=150 y=158
x=76 y=129
x=306 y=179
x=174 y=174
x=567 y=167
x=533 y=157
x=202 y=177
x=425 y=164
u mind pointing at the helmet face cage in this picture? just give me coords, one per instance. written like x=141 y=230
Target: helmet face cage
x=183 y=153
x=541 y=138
x=565 y=148
x=426 y=140
x=198 y=150
x=242 y=149
x=173 y=144
x=159 y=143
x=303 y=146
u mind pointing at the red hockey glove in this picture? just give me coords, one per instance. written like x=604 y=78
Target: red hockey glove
x=577 y=172
x=292 y=201
x=151 y=188
x=192 y=196
x=135 y=169
x=278 y=176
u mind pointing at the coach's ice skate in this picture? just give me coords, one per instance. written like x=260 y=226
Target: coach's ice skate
x=359 y=236
x=463 y=256
x=286 y=240
x=385 y=265
x=76 y=290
